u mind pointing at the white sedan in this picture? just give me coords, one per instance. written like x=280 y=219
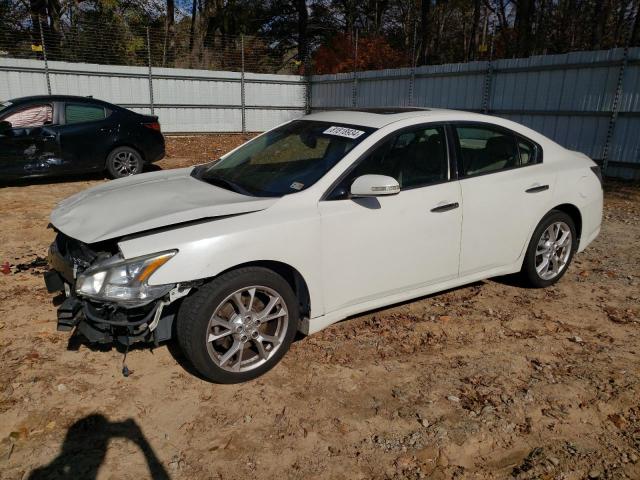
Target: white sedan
x=316 y=220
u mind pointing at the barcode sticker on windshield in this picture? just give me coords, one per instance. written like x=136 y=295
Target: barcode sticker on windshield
x=343 y=132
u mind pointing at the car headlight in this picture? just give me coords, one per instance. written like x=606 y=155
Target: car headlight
x=124 y=281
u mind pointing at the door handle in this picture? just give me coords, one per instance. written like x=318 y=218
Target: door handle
x=445 y=208
x=537 y=188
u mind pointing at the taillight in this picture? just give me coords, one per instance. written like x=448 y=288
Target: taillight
x=153 y=126
x=598 y=173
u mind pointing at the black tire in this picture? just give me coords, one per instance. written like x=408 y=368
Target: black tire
x=124 y=162
x=529 y=272
x=192 y=324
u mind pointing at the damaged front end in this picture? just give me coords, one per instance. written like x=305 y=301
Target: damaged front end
x=108 y=298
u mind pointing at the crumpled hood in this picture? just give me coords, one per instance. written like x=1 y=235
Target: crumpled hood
x=144 y=202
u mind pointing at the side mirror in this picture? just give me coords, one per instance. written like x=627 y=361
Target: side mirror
x=5 y=126
x=374 y=186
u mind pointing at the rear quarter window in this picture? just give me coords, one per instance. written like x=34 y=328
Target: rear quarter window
x=83 y=113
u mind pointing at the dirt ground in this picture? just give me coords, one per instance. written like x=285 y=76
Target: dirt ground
x=487 y=381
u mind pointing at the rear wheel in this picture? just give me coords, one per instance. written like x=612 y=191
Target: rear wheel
x=124 y=162
x=238 y=326
x=550 y=250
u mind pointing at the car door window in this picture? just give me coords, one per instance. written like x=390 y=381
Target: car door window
x=529 y=152
x=485 y=149
x=76 y=113
x=31 y=116
x=415 y=158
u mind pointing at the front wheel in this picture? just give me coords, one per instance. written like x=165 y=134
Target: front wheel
x=238 y=326
x=550 y=250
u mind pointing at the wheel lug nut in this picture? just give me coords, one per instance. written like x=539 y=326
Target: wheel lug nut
x=254 y=334
x=243 y=339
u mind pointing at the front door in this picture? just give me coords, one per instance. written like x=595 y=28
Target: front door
x=31 y=146
x=380 y=246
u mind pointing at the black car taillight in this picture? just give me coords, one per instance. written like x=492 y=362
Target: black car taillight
x=153 y=125
x=598 y=173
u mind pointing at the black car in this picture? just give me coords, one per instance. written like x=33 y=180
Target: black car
x=58 y=135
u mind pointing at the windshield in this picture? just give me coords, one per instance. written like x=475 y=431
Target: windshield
x=285 y=160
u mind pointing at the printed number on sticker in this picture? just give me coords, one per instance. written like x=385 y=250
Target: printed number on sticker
x=343 y=132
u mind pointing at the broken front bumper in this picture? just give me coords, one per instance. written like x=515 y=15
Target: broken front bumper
x=105 y=322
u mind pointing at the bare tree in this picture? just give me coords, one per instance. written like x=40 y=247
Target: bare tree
x=303 y=21
x=634 y=38
x=192 y=28
x=425 y=17
x=170 y=33
x=471 y=54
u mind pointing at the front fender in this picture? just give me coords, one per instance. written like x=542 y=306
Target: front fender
x=208 y=248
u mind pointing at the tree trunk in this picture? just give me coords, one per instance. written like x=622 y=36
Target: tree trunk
x=211 y=13
x=303 y=21
x=471 y=54
x=634 y=39
x=171 y=32
x=54 y=39
x=597 y=24
x=525 y=12
x=192 y=28
x=425 y=13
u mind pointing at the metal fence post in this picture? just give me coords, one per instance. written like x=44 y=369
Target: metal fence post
x=44 y=56
x=486 y=94
x=150 y=73
x=354 y=89
x=614 y=110
x=412 y=76
x=242 y=91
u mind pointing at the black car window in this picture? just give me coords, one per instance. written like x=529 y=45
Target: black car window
x=77 y=113
x=415 y=158
x=30 y=117
x=485 y=149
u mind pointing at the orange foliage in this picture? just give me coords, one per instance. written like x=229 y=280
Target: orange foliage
x=374 y=53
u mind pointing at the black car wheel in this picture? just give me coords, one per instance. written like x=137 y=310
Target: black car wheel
x=239 y=325
x=124 y=162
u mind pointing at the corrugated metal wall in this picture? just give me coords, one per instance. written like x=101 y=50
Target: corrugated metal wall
x=184 y=100
x=569 y=97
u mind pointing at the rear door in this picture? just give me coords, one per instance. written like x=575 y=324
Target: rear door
x=506 y=190
x=86 y=135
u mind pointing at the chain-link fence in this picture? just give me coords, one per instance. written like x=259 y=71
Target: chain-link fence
x=194 y=82
x=131 y=44
x=587 y=101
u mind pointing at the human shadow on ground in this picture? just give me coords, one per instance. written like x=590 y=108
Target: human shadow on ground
x=85 y=447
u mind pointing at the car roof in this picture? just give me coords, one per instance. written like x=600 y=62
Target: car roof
x=59 y=98
x=380 y=117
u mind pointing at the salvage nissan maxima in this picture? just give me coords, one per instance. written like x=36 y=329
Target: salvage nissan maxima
x=314 y=221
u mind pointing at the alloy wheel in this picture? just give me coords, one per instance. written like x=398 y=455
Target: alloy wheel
x=247 y=328
x=125 y=163
x=553 y=250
